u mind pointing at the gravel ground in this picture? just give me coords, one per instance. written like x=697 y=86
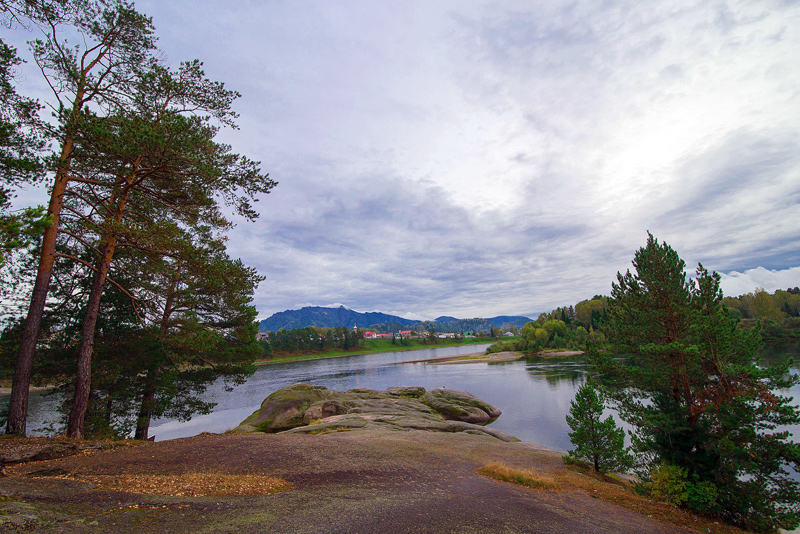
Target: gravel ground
x=343 y=482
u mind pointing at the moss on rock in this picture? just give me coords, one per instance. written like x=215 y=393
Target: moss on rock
x=306 y=408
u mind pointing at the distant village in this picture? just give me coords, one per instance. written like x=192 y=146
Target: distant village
x=402 y=334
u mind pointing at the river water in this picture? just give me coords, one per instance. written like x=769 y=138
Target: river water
x=533 y=395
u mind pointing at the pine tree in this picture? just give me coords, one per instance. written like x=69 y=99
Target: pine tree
x=600 y=442
x=694 y=394
x=115 y=41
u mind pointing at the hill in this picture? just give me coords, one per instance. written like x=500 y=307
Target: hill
x=327 y=317
x=341 y=316
x=511 y=320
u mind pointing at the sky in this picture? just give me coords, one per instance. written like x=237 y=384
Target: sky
x=474 y=159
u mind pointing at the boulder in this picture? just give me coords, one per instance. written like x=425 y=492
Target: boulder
x=460 y=406
x=306 y=408
x=284 y=409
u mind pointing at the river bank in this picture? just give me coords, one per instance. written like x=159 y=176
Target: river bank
x=476 y=357
x=5 y=388
x=374 y=346
x=371 y=347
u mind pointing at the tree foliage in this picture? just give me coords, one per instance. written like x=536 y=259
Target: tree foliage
x=694 y=394
x=21 y=145
x=139 y=184
x=149 y=168
x=309 y=340
x=115 y=41
x=598 y=441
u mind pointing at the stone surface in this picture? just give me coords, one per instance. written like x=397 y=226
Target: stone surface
x=460 y=406
x=305 y=408
x=414 y=392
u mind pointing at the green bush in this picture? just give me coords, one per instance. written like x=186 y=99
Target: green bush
x=672 y=484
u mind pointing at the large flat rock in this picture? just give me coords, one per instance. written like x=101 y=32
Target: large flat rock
x=306 y=408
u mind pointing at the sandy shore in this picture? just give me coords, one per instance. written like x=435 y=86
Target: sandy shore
x=33 y=389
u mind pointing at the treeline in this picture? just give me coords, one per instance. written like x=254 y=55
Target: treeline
x=475 y=326
x=128 y=298
x=777 y=313
x=313 y=340
x=308 y=340
x=568 y=327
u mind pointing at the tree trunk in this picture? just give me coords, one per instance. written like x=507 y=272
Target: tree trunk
x=18 y=407
x=146 y=409
x=83 y=379
x=145 y=413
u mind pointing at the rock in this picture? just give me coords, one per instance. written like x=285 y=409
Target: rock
x=321 y=410
x=461 y=406
x=414 y=392
x=305 y=408
x=284 y=409
x=57 y=472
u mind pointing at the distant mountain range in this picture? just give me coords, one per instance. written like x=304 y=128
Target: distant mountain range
x=341 y=316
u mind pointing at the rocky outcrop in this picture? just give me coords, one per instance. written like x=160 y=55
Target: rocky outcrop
x=316 y=409
x=461 y=406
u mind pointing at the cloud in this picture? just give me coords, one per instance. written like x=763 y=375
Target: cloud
x=486 y=158
x=739 y=283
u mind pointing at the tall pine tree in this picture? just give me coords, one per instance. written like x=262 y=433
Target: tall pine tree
x=694 y=394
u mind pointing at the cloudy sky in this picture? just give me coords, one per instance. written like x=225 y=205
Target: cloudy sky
x=477 y=158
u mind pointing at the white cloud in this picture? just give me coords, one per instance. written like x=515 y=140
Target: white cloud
x=739 y=283
x=486 y=158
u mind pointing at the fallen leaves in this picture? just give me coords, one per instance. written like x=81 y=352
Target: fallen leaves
x=190 y=484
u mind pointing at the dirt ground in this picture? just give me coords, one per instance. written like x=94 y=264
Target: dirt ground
x=343 y=482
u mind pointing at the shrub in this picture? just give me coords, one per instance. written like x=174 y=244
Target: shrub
x=672 y=484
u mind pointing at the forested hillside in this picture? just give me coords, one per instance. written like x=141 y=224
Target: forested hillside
x=342 y=317
x=328 y=317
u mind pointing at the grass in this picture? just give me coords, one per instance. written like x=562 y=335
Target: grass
x=611 y=489
x=371 y=346
x=514 y=475
x=607 y=488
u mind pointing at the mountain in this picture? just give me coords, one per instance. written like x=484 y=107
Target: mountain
x=341 y=316
x=514 y=320
x=327 y=317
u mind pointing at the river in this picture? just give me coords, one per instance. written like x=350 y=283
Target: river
x=533 y=395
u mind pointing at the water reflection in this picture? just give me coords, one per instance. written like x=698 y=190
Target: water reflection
x=772 y=354
x=572 y=370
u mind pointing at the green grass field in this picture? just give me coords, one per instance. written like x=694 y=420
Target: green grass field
x=369 y=346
